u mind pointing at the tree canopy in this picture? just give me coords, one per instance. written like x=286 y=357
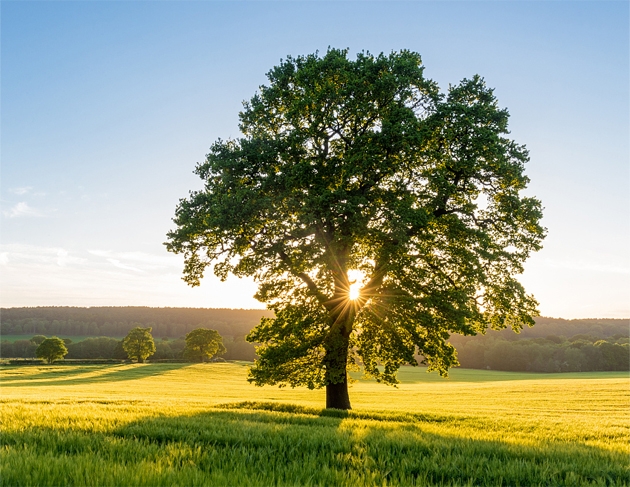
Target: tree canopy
x=38 y=339
x=139 y=344
x=51 y=349
x=377 y=215
x=202 y=344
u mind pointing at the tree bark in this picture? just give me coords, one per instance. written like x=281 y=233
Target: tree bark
x=337 y=395
x=342 y=312
x=336 y=361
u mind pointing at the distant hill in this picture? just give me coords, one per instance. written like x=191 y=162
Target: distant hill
x=117 y=321
x=598 y=327
x=176 y=322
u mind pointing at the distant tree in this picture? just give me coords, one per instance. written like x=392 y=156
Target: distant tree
x=614 y=357
x=37 y=339
x=584 y=338
x=95 y=347
x=471 y=355
x=575 y=359
x=67 y=341
x=554 y=338
x=20 y=348
x=202 y=344
x=377 y=215
x=163 y=351
x=119 y=351
x=51 y=349
x=139 y=344
x=239 y=349
x=178 y=346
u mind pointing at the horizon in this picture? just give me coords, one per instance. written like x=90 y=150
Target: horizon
x=266 y=309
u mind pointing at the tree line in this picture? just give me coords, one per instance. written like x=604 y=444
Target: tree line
x=185 y=348
x=118 y=321
x=580 y=353
x=593 y=344
x=176 y=322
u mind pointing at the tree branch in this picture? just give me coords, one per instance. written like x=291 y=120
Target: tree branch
x=312 y=287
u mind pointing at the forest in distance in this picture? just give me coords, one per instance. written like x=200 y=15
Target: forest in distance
x=552 y=345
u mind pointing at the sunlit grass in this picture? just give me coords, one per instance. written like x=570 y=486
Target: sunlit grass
x=178 y=424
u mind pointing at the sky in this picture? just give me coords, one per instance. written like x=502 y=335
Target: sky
x=106 y=107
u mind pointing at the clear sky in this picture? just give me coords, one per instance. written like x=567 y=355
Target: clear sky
x=107 y=107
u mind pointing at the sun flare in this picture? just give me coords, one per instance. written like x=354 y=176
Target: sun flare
x=354 y=291
x=356 y=280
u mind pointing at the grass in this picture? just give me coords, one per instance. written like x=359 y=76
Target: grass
x=203 y=424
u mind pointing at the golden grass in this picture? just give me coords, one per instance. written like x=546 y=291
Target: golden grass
x=531 y=418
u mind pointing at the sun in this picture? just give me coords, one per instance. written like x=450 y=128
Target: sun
x=356 y=278
x=355 y=291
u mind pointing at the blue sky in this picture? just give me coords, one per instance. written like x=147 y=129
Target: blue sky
x=107 y=106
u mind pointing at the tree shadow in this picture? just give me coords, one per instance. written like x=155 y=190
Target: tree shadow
x=282 y=444
x=50 y=371
x=109 y=373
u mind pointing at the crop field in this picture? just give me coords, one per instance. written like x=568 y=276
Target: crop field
x=203 y=424
x=74 y=338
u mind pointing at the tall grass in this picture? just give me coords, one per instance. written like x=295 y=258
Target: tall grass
x=173 y=424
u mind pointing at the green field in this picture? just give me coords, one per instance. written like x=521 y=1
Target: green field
x=203 y=424
x=74 y=338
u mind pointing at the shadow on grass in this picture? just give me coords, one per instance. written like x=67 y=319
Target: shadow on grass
x=54 y=371
x=399 y=417
x=293 y=445
x=105 y=373
x=279 y=444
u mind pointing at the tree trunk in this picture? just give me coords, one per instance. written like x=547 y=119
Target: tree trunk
x=336 y=361
x=337 y=396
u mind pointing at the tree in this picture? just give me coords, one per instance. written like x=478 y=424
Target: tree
x=139 y=344
x=37 y=339
x=203 y=343
x=377 y=215
x=51 y=349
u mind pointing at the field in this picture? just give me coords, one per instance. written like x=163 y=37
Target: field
x=74 y=338
x=180 y=424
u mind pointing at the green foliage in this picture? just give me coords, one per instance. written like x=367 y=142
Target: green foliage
x=97 y=348
x=202 y=344
x=51 y=349
x=365 y=166
x=139 y=344
x=239 y=349
x=117 y=321
x=581 y=353
x=17 y=348
x=38 y=339
x=111 y=348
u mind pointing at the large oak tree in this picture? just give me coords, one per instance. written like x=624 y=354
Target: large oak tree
x=361 y=170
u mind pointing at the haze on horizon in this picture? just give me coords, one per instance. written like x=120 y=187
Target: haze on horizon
x=107 y=107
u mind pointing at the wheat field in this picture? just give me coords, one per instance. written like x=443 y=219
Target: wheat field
x=204 y=424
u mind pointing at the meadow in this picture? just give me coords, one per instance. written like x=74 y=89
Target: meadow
x=204 y=424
